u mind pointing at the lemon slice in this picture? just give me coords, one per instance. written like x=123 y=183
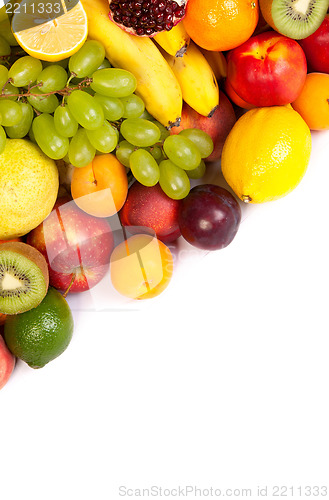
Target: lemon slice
x=50 y=30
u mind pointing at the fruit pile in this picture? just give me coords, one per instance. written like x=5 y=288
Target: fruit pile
x=105 y=141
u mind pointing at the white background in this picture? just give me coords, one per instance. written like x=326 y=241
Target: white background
x=222 y=381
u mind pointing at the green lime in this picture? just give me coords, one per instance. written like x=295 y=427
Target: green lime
x=41 y=334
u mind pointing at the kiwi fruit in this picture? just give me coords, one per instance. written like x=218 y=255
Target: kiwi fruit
x=295 y=19
x=24 y=277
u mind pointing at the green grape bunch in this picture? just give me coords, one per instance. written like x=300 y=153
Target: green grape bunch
x=79 y=107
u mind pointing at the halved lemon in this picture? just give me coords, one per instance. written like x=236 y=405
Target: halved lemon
x=50 y=30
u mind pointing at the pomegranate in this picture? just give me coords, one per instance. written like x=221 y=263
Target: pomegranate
x=146 y=17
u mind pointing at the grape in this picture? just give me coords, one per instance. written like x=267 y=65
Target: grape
x=25 y=71
x=81 y=152
x=156 y=152
x=173 y=180
x=31 y=135
x=22 y=128
x=105 y=64
x=3 y=76
x=140 y=132
x=85 y=109
x=112 y=106
x=198 y=172
x=10 y=90
x=3 y=139
x=10 y=113
x=4 y=47
x=182 y=151
x=42 y=103
x=146 y=115
x=64 y=122
x=209 y=217
x=144 y=167
x=52 y=78
x=63 y=63
x=124 y=151
x=164 y=132
x=201 y=139
x=133 y=106
x=87 y=59
x=48 y=139
x=113 y=82
x=104 y=139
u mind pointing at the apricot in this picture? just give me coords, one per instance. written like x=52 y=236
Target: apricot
x=313 y=102
x=141 y=267
x=100 y=188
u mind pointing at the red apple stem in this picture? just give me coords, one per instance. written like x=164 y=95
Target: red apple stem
x=71 y=283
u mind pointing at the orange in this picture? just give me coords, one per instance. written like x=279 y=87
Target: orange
x=141 y=267
x=100 y=188
x=2 y=318
x=221 y=24
x=313 y=102
x=48 y=30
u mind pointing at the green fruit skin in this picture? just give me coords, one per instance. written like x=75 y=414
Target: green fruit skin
x=43 y=333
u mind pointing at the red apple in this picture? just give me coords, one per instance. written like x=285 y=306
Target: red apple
x=7 y=363
x=217 y=126
x=316 y=48
x=150 y=207
x=269 y=69
x=76 y=245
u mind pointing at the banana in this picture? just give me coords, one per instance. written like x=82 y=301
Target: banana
x=156 y=82
x=217 y=63
x=175 y=41
x=197 y=80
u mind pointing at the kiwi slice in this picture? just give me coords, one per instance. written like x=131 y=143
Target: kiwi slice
x=24 y=277
x=295 y=19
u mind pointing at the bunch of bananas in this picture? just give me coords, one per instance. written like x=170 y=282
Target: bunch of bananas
x=169 y=68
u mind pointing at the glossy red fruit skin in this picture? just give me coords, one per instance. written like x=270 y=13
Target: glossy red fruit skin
x=217 y=126
x=269 y=69
x=209 y=217
x=150 y=207
x=316 y=48
x=7 y=363
x=75 y=245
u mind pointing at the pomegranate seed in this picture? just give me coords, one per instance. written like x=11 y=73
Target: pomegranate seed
x=180 y=12
x=161 y=6
x=168 y=26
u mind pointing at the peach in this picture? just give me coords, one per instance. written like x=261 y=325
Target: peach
x=269 y=69
x=217 y=126
x=150 y=207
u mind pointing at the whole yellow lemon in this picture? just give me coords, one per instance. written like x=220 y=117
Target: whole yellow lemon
x=266 y=153
x=28 y=187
